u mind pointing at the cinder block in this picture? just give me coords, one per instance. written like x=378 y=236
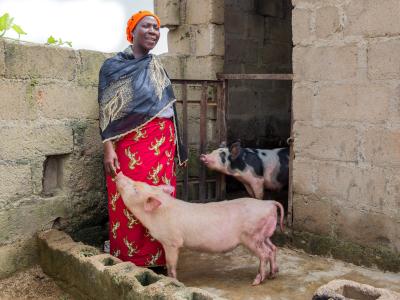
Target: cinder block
x=33 y=140
x=89 y=68
x=26 y=60
x=276 y=54
x=204 y=12
x=270 y=8
x=361 y=226
x=59 y=101
x=24 y=221
x=15 y=182
x=236 y=22
x=205 y=67
x=168 y=12
x=17 y=256
x=312 y=214
x=172 y=65
x=301 y=19
x=255 y=26
x=327 y=21
x=179 y=40
x=210 y=40
x=242 y=51
x=2 y=60
x=364 y=189
x=349 y=102
x=383 y=60
x=381 y=146
x=304 y=2
x=325 y=63
x=302 y=103
x=18 y=101
x=331 y=143
x=303 y=177
x=279 y=30
x=372 y=18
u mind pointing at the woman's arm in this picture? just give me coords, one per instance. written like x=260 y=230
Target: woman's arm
x=111 y=163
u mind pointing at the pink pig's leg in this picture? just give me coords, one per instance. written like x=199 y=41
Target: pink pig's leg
x=171 y=257
x=273 y=265
x=249 y=190
x=262 y=252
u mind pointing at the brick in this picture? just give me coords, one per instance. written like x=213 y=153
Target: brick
x=87 y=138
x=68 y=101
x=210 y=40
x=17 y=100
x=32 y=140
x=325 y=63
x=311 y=214
x=15 y=182
x=203 y=67
x=168 y=11
x=91 y=61
x=383 y=60
x=173 y=65
x=270 y=8
x=332 y=143
x=382 y=146
x=327 y=21
x=179 y=40
x=301 y=25
x=303 y=177
x=206 y=11
x=302 y=105
x=349 y=103
x=366 y=228
x=2 y=59
x=372 y=18
x=23 y=60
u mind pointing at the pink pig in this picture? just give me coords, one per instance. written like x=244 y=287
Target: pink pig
x=209 y=227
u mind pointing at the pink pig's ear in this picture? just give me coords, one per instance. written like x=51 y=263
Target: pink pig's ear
x=151 y=204
x=169 y=189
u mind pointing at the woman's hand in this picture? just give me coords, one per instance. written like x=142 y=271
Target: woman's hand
x=111 y=163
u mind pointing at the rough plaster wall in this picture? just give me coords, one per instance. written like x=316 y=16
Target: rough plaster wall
x=48 y=107
x=258 y=40
x=347 y=120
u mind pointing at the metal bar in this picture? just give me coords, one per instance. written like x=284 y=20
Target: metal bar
x=196 y=102
x=185 y=188
x=289 y=212
x=203 y=141
x=255 y=76
x=193 y=81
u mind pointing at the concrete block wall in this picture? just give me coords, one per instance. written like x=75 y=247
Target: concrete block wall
x=346 y=114
x=258 y=40
x=195 y=37
x=51 y=152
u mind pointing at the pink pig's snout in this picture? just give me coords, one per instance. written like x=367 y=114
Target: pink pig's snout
x=204 y=158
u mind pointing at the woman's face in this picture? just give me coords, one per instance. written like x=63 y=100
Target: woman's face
x=146 y=33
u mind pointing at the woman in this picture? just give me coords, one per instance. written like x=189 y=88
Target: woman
x=139 y=131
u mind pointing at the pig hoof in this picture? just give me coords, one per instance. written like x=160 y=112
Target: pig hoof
x=257 y=280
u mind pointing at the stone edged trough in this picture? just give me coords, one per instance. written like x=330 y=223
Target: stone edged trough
x=86 y=273
x=347 y=289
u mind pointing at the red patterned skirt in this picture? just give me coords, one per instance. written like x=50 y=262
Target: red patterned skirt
x=147 y=154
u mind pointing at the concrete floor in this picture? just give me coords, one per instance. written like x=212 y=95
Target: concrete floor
x=230 y=275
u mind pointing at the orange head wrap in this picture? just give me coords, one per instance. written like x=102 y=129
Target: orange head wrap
x=135 y=19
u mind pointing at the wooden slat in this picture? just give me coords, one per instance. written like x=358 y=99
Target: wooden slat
x=203 y=141
x=185 y=142
x=221 y=126
x=255 y=76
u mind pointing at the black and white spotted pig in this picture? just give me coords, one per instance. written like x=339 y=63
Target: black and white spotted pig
x=255 y=168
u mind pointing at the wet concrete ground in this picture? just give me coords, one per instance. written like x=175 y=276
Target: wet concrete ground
x=230 y=275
